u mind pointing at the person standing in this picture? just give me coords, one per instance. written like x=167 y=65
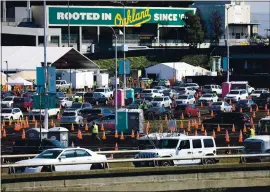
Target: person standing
x=251 y=132
x=95 y=132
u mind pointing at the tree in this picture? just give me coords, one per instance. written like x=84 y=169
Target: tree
x=216 y=26
x=193 y=32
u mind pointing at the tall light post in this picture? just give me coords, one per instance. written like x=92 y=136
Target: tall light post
x=46 y=125
x=6 y=70
x=228 y=46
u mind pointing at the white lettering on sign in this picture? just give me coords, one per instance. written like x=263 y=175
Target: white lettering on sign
x=82 y=16
x=165 y=17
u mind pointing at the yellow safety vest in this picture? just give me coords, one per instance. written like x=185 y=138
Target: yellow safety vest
x=252 y=132
x=95 y=129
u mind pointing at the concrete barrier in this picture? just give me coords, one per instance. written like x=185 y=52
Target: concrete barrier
x=143 y=179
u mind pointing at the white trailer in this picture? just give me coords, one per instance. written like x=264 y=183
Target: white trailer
x=79 y=79
x=102 y=79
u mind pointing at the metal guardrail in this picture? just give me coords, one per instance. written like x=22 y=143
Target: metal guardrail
x=135 y=160
x=115 y=152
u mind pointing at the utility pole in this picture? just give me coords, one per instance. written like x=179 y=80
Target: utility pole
x=228 y=46
x=45 y=67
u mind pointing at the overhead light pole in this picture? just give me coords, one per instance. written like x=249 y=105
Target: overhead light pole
x=46 y=125
x=228 y=46
x=6 y=70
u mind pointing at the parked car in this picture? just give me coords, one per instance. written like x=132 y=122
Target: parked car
x=212 y=89
x=67 y=155
x=180 y=146
x=185 y=99
x=136 y=102
x=164 y=82
x=8 y=101
x=177 y=84
x=264 y=126
x=259 y=144
x=162 y=102
x=220 y=106
x=71 y=117
x=78 y=96
x=91 y=114
x=245 y=105
x=157 y=113
x=151 y=93
x=108 y=122
x=6 y=94
x=170 y=93
x=65 y=102
x=207 y=98
x=160 y=88
x=185 y=90
x=77 y=105
x=257 y=93
x=195 y=86
x=62 y=84
x=11 y=114
x=96 y=98
x=226 y=120
x=236 y=95
x=185 y=109
x=107 y=92
x=263 y=100
x=23 y=103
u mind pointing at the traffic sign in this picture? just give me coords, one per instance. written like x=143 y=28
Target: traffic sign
x=121 y=67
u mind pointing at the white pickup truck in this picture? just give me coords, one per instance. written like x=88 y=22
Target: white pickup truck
x=62 y=84
x=53 y=112
x=107 y=92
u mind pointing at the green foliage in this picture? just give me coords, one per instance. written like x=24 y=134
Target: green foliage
x=193 y=33
x=216 y=25
x=197 y=60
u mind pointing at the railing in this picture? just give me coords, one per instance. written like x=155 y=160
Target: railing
x=113 y=152
x=135 y=160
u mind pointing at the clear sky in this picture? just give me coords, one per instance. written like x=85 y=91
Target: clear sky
x=259 y=6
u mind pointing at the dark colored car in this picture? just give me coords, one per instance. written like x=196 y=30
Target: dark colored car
x=78 y=105
x=263 y=100
x=95 y=98
x=245 y=105
x=187 y=110
x=23 y=103
x=158 y=113
x=92 y=114
x=226 y=120
x=6 y=94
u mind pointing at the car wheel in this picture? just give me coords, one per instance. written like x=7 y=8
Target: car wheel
x=96 y=166
x=165 y=163
x=11 y=119
x=20 y=118
x=208 y=161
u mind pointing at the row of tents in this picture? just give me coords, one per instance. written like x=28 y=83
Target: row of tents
x=15 y=80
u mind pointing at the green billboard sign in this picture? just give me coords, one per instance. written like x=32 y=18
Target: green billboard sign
x=116 y=16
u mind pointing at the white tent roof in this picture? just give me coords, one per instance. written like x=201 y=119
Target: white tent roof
x=4 y=79
x=27 y=75
x=23 y=58
x=19 y=81
x=175 y=65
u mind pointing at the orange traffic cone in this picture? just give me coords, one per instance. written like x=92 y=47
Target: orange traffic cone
x=2 y=127
x=199 y=114
x=265 y=107
x=132 y=134
x=241 y=110
x=36 y=124
x=254 y=114
x=116 y=147
x=196 y=124
x=4 y=133
x=122 y=136
x=250 y=110
x=205 y=133
x=52 y=123
x=202 y=128
x=199 y=121
x=72 y=127
x=188 y=128
x=182 y=116
x=245 y=129
x=233 y=128
x=102 y=127
x=34 y=119
x=23 y=134
x=230 y=102
x=267 y=113
x=251 y=121
x=79 y=135
x=116 y=134
x=257 y=108
x=60 y=106
x=195 y=133
x=214 y=134
x=138 y=135
x=201 y=104
x=103 y=136
x=227 y=137
x=86 y=126
x=58 y=116
x=72 y=144
x=218 y=128
x=212 y=114
x=240 y=140
x=161 y=128
x=4 y=124
x=10 y=123
x=147 y=127
x=181 y=125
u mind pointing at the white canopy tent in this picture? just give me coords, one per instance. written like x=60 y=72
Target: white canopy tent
x=19 y=81
x=27 y=75
x=175 y=69
x=4 y=79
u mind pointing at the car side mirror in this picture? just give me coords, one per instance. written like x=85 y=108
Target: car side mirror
x=62 y=157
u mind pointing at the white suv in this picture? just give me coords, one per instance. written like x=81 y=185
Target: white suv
x=11 y=114
x=180 y=146
x=212 y=89
x=236 y=95
x=162 y=102
x=151 y=93
x=107 y=92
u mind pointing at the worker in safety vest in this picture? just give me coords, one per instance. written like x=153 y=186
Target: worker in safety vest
x=95 y=132
x=251 y=132
x=95 y=85
x=140 y=105
x=145 y=105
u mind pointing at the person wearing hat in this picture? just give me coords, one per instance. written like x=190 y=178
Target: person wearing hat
x=251 y=132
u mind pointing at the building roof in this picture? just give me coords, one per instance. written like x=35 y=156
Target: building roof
x=25 y=58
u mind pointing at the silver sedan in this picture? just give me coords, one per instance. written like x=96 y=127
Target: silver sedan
x=220 y=106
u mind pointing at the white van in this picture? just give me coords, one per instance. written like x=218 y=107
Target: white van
x=180 y=146
x=256 y=145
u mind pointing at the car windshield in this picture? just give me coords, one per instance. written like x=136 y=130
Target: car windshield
x=234 y=92
x=61 y=98
x=6 y=110
x=258 y=91
x=147 y=91
x=168 y=143
x=49 y=154
x=207 y=95
x=76 y=105
x=58 y=82
x=166 y=91
x=60 y=94
x=99 y=90
x=217 y=103
x=89 y=95
x=243 y=101
x=94 y=111
x=181 y=89
x=157 y=99
x=68 y=113
x=182 y=97
x=207 y=87
x=8 y=99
